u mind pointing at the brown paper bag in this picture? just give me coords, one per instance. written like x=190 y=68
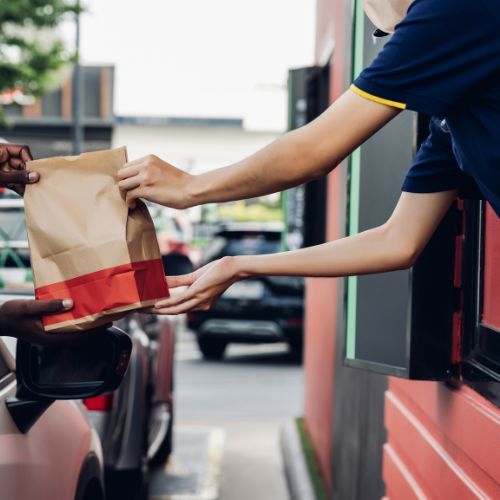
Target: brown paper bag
x=86 y=245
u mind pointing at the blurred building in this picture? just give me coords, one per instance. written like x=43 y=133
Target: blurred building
x=401 y=369
x=193 y=144
x=46 y=124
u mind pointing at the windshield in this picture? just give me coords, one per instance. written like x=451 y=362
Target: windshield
x=241 y=244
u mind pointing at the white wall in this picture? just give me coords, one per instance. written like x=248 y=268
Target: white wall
x=194 y=149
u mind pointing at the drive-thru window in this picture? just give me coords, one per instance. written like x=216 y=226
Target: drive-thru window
x=414 y=364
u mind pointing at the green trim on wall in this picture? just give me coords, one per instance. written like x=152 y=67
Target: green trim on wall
x=352 y=281
x=284 y=194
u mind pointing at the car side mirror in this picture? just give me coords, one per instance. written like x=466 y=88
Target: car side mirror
x=73 y=369
x=175 y=264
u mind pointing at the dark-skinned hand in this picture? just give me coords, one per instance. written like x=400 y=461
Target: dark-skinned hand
x=22 y=319
x=13 y=173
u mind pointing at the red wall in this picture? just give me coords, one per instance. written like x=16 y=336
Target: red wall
x=445 y=443
x=442 y=443
x=319 y=354
x=491 y=305
x=321 y=294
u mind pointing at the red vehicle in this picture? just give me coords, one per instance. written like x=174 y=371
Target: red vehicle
x=402 y=370
x=134 y=422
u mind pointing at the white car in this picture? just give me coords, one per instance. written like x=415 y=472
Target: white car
x=58 y=458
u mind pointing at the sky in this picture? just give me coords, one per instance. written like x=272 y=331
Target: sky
x=201 y=58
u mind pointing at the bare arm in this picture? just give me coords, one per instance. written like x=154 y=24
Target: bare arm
x=391 y=246
x=301 y=155
x=296 y=157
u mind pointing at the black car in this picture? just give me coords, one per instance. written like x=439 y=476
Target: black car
x=257 y=310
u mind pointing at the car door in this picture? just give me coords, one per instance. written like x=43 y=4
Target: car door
x=45 y=462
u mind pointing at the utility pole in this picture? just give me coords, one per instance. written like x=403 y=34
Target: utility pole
x=77 y=92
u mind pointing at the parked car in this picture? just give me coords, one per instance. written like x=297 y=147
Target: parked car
x=257 y=310
x=135 y=422
x=59 y=457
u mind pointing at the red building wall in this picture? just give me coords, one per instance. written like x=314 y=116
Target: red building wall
x=442 y=443
x=321 y=294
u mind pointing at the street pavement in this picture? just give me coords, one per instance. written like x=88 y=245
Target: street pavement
x=236 y=406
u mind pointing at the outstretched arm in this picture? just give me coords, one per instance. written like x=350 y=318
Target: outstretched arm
x=391 y=246
x=296 y=157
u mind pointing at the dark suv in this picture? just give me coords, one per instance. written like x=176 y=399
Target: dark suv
x=257 y=310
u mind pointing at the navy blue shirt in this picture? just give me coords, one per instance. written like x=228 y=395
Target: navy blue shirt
x=444 y=60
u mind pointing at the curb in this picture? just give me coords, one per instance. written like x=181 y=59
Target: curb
x=297 y=475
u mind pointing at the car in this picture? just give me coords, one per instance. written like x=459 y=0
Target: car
x=173 y=229
x=135 y=422
x=60 y=456
x=257 y=310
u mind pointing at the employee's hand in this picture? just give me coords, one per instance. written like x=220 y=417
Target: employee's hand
x=154 y=180
x=23 y=319
x=206 y=285
x=13 y=173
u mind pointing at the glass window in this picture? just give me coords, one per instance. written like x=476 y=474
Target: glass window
x=241 y=243
x=491 y=272
x=488 y=330
x=481 y=367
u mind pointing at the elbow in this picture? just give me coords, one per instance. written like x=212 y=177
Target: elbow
x=308 y=156
x=406 y=256
x=403 y=252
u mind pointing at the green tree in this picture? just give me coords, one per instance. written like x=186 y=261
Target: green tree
x=30 y=52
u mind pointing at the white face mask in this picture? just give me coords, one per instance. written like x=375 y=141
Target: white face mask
x=385 y=14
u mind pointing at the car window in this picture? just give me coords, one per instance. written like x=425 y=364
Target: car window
x=241 y=244
x=250 y=246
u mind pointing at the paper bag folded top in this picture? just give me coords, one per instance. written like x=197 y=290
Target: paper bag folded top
x=86 y=245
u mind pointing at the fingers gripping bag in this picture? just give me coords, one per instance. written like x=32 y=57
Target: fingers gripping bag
x=86 y=245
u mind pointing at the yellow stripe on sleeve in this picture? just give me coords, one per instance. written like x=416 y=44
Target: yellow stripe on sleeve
x=374 y=98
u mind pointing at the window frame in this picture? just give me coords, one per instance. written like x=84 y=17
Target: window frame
x=480 y=367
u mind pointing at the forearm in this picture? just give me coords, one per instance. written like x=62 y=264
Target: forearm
x=296 y=157
x=372 y=251
x=262 y=173
x=391 y=246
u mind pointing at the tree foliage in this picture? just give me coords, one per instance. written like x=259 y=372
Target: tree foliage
x=30 y=52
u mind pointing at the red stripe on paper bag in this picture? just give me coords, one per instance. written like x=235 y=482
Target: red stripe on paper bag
x=107 y=289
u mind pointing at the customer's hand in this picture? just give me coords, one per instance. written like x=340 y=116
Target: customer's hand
x=13 y=173
x=154 y=180
x=206 y=285
x=22 y=319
